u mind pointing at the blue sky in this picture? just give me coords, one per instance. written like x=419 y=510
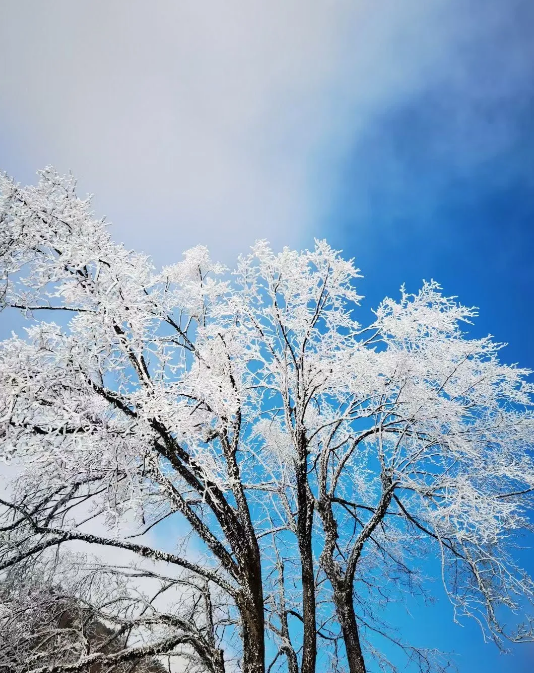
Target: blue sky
x=425 y=214
x=401 y=132
x=441 y=186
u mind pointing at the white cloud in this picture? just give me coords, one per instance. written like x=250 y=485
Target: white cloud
x=215 y=122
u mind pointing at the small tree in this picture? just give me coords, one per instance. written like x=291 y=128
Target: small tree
x=301 y=464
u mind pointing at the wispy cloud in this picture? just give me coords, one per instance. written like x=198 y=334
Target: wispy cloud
x=216 y=122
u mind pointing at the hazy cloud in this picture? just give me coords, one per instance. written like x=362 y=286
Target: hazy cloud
x=213 y=122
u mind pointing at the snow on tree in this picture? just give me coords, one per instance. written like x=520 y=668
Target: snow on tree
x=44 y=624
x=244 y=435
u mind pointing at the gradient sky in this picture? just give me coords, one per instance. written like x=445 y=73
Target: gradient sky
x=403 y=132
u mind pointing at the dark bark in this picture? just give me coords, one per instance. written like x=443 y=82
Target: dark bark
x=218 y=661
x=305 y=503
x=309 y=649
x=344 y=603
x=253 y=628
x=342 y=580
x=239 y=530
x=347 y=618
x=251 y=607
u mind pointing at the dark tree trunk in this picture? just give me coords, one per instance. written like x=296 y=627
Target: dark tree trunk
x=253 y=637
x=309 y=650
x=304 y=531
x=218 y=662
x=349 y=627
x=343 y=598
x=251 y=606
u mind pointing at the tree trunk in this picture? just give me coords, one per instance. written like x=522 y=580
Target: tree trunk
x=349 y=627
x=309 y=649
x=251 y=608
x=218 y=662
x=253 y=639
x=304 y=532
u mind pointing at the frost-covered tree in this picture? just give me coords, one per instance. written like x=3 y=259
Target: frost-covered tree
x=244 y=438
x=43 y=624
